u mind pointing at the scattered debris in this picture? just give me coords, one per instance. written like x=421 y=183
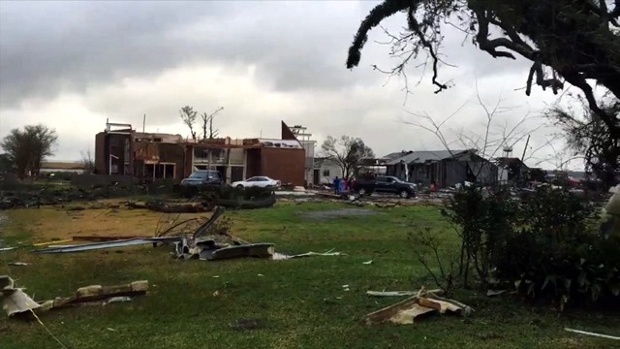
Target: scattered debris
x=406 y=311
x=52 y=242
x=19 y=264
x=105 y=245
x=367 y=262
x=96 y=238
x=16 y=302
x=398 y=293
x=209 y=241
x=3 y=249
x=345 y=288
x=99 y=295
x=280 y=256
x=593 y=334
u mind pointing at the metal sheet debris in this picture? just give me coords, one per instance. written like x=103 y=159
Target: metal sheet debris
x=281 y=256
x=397 y=293
x=106 y=245
x=593 y=334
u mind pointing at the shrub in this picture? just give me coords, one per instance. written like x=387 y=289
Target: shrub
x=546 y=245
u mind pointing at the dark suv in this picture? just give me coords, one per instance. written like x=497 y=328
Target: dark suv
x=203 y=177
x=384 y=184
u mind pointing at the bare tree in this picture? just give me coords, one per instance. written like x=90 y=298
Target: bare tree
x=207 y=124
x=489 y=144
x=88 y=161
x=188 y=115
x=589 y=138
x=27 y=148
x=346 y=152
x=565 y=40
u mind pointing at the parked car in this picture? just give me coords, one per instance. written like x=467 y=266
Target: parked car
x=257 y=181
x=203 y=177
x=384 y=184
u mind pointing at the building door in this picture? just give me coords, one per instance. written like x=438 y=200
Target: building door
x=222 y=171
x=317 y=176
x=236 y=173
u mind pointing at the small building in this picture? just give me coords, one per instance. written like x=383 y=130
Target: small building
x=325 y=170
x=511 y=170
x=445 y=168
x=153 y=156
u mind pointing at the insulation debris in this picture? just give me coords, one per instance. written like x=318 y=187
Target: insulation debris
x=407 y=311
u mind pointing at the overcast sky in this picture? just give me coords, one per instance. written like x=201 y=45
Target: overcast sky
x=71 y=65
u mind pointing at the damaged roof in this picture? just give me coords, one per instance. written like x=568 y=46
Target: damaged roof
x=423 y=156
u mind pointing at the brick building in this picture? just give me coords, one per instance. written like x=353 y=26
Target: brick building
x=120 y=150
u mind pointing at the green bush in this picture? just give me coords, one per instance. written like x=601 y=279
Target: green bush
x=546 y=246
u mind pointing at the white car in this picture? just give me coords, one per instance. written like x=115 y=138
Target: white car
x=257 y=181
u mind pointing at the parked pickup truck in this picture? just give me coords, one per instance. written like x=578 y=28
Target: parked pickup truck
x=384 y=184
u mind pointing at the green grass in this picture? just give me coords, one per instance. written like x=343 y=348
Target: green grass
x=301 y=302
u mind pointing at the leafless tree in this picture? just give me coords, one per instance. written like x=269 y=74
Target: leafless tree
x=208 y=132
x=346 y=152
x=496 y=136
x=88 y=161
x=188 y=115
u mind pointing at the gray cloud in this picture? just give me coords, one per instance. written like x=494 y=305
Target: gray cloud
x=47 y=48
x=298 y=49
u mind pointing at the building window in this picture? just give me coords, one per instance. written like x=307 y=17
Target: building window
x=325 y=173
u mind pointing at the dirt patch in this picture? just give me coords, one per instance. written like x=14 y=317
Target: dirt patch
x=344 y=212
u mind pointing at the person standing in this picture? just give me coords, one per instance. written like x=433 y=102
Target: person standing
x=336 y=184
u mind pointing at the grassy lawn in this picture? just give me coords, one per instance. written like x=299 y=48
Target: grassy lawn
x=301 y=302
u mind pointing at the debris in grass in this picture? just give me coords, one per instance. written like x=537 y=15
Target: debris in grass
x=367 y=262
x=16 y=302
x=207 y=242
x=3 y=249
x=406 y=311
x=398 y=293
x=593 y=334
x=118 y=300
x=280 y=256
x=53 y=242
x=19 y=264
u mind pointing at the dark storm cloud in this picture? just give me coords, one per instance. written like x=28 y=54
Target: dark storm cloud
x=48 y=47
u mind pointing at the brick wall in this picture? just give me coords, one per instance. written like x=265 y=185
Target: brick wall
x=285 y=164
x=100 y=153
